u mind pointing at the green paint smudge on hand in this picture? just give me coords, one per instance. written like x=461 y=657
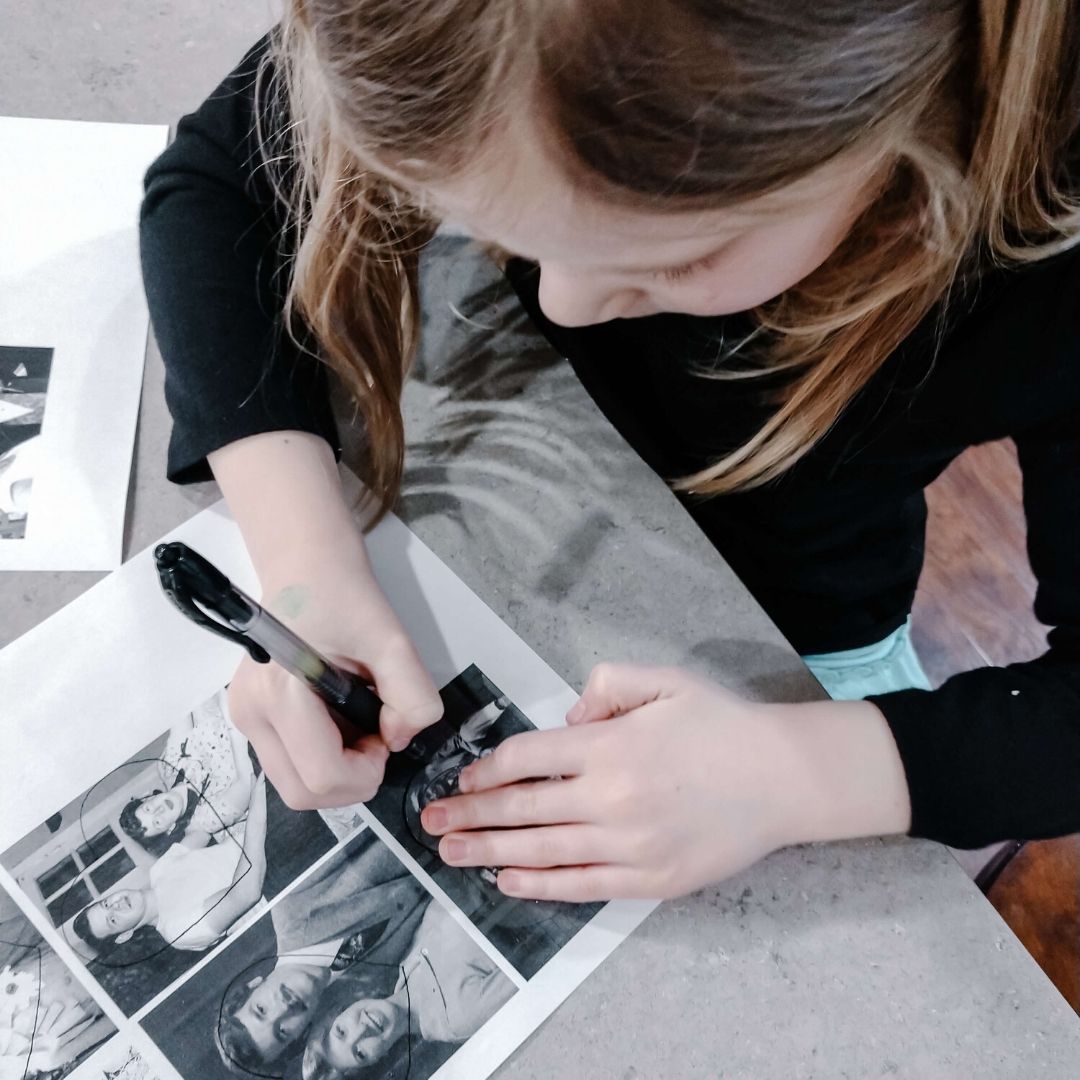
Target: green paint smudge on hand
x=290 y=601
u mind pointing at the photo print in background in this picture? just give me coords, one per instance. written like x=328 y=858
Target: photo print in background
x=161 y=860
x=70 y=282
x=49 y=1023
x=24 y=381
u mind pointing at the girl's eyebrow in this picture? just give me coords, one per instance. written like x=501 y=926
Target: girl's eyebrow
x=498 y=250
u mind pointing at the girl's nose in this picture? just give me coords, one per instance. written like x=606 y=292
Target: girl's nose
x=576 y=298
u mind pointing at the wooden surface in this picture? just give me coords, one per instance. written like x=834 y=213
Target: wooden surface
x=974 y=609
x=1038 y=895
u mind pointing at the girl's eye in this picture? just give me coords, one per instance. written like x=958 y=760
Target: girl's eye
x=680 y=273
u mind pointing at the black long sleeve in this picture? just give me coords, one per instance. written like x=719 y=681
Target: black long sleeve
x=832 y=550
x=1012 y=734
x=215 y=278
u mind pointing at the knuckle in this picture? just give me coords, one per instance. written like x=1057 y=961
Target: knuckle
x=462 y=814
x=546 y=852
x=482 y=852
x=601 y=675
x=647 y=848
x=295 y=797
x=507 y=757
x=320 y=786
x=666 y=881
x=620 y=797
x=522 y=804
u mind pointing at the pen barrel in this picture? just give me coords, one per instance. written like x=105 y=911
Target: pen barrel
x=360 y=707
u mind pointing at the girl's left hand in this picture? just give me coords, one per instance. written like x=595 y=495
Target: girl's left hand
x=665 y=782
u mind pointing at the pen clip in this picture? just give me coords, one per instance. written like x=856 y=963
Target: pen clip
x=196 y=587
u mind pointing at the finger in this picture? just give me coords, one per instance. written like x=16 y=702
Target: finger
x=577 y=884
x=273 y=758
x=531 y=755
x=278 y=767
x=542 y=803
x=410 y=700
x=614 y=689
x=327 y=768
x=545 y=845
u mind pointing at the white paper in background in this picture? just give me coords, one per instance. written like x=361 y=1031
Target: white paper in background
x=70 y=283
x=96 y=683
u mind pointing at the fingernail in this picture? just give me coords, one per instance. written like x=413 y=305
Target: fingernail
x=398 y=743
x=435 y=819
x=509 y=882
x=464 y=780
x=454 y=850
x=577 y=712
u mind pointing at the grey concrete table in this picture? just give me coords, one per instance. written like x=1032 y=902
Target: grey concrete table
x=852 y=960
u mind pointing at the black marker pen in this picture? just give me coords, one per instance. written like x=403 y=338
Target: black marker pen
x=207 y=597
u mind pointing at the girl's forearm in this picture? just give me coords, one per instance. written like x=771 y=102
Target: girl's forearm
x=284 y=490
x=848 y=779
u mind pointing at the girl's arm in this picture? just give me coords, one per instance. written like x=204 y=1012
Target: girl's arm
x=285 y=492
x=247 y=400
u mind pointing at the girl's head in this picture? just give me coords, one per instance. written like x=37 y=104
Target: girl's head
x=361 y=1029
x=830 y=167
x=158 y=820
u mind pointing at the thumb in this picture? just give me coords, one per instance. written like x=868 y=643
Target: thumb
x=410 y=700
x=614 y=689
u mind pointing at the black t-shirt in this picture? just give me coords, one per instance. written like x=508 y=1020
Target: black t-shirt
x=832 y=550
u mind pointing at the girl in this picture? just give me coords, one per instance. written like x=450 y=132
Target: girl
x=801 y=255
x=209 y=779
x=445 y=991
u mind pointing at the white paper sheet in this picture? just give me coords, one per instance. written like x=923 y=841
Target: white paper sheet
x=100 y=683
x=71 y=293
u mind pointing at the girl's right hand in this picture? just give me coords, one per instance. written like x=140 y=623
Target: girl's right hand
x=284 y=490
x=298 y=743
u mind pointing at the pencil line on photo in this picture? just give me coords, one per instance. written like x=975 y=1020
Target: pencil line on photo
x=55 y=941
x=439 y=894
x=242 y=927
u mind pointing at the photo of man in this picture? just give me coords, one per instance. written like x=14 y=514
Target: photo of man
x=358 y=912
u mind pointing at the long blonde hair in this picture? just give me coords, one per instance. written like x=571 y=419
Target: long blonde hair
x=675 y=104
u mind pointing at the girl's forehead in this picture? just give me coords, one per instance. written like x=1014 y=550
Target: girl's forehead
x=523 y=202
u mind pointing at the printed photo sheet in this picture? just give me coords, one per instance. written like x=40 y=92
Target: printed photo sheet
x=168 y=915
x=73 y=326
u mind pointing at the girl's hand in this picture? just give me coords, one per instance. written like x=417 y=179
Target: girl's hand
x=342 y=612
x=667 y=782
x=284 y=490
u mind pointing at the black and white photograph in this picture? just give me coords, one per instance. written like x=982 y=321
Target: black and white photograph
x=70 y=192
x=123 y=1059
x=49 y=1023
x=24 y=382
x=477 y=717
x=357 y=972
x=160 y=860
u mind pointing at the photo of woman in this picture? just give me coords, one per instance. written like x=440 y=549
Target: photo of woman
x=208 y=779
